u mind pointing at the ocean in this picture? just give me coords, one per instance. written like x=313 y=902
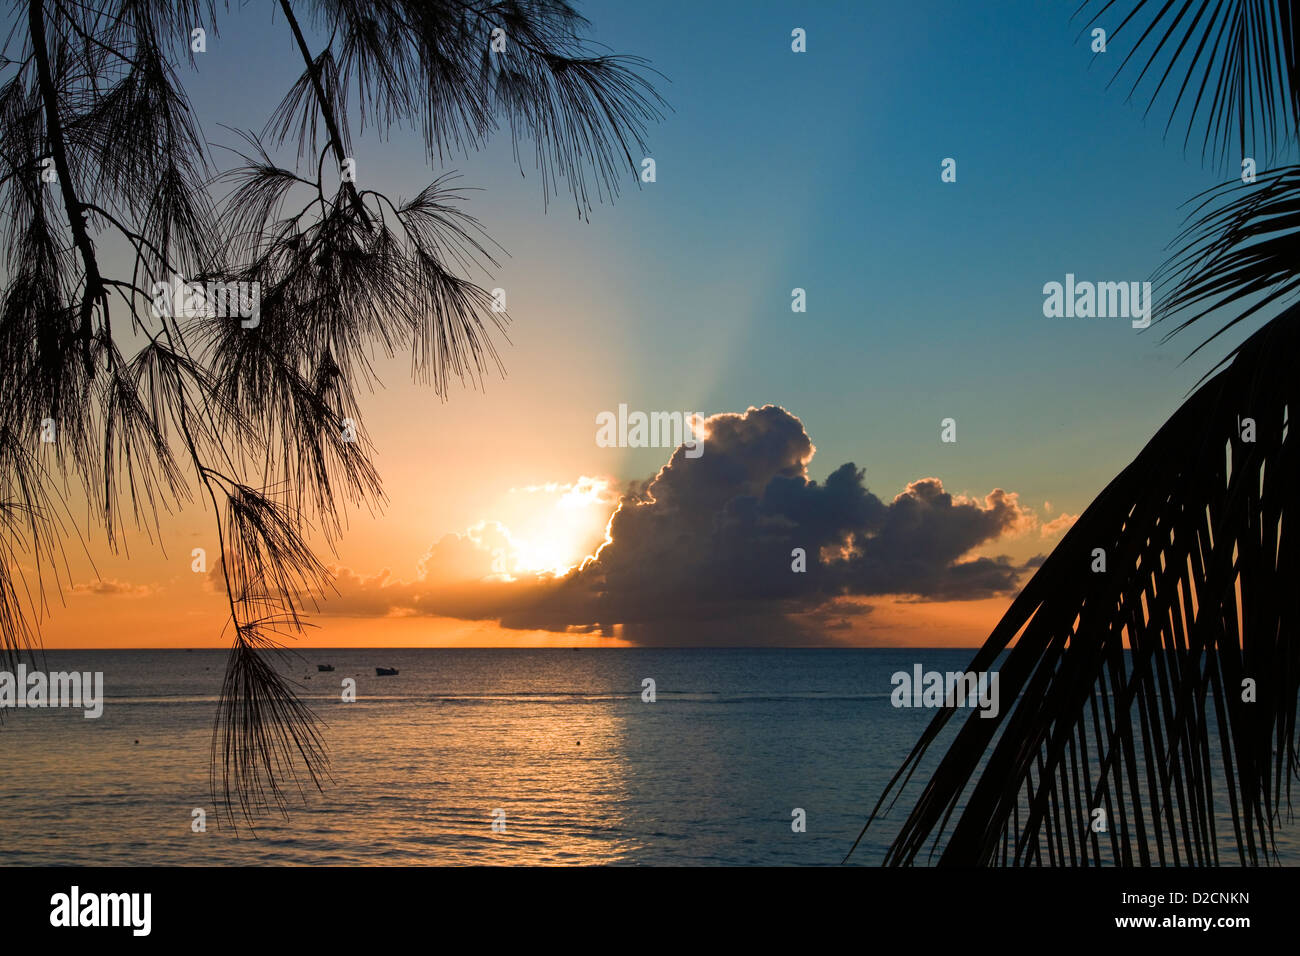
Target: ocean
x=556 y=746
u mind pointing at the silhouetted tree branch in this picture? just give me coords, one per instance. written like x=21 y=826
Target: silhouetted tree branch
x=253 y=413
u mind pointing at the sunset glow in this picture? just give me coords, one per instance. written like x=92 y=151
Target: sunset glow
x=554 y=527
x=504 y=521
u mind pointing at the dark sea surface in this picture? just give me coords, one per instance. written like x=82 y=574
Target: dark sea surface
x=585 y=771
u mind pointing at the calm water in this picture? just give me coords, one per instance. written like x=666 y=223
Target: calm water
x=585 y=771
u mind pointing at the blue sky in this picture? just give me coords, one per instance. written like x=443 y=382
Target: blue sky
x=821 y=170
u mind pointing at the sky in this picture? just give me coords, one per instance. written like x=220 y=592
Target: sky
x=775 y=170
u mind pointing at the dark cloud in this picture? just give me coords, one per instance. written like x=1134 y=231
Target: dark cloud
x=702 y=553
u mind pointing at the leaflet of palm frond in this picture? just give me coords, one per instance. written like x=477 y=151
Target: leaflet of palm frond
x=350 y=288
x=303 y=109
x=434 y=66
x=46 y=387
x=271 y=566
x=136 y=449
x=452 y=317
x=122 y=18
x=262 y=731
x=1241 y=244
x=1233 y=64
x=16 y=634
x=140 y=135
x=252 y=207
x=1198 y=584
x=168 y=382
x=435 y=222
x=21 y=192
x=30 y=530
x=265 y=374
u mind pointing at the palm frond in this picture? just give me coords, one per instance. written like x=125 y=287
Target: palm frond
x=1229 y=66
x=1118 y=680
x=136 y=445
x=1238 y=253
x=263 y=732
x=433 y=65
x=1147 y=692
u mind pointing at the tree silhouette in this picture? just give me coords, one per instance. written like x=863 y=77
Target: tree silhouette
x=241 y=384
x=1201 y=556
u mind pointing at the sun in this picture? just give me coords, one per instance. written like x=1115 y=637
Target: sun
x=553 y=527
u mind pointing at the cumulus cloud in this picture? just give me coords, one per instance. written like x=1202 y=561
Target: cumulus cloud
x=1058 y=525
x=703 y=551
x=713 y=538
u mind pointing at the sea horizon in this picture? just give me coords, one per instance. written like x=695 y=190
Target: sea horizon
x=572 y=759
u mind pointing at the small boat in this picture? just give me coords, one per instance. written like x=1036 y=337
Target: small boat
x=324 y=667
x=385 y=671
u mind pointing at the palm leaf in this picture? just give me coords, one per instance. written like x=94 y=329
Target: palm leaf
x=1243 y=244
x=1199 y=587
x=1160 y=693
x=1229 y=66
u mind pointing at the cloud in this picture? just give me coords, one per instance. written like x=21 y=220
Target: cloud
x=702 y=552
x=1058 y=525
x=113 y=587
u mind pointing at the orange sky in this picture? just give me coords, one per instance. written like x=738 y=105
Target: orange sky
x=145 y=598
x=448 y=467
x=148 y=621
